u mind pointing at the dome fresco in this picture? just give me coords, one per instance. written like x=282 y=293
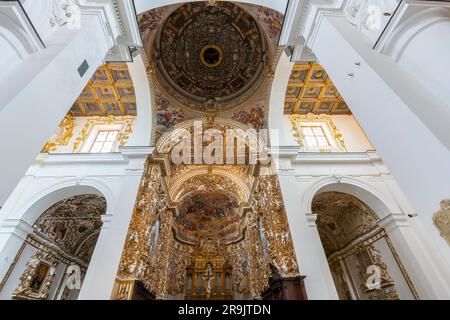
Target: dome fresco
x=210 y=55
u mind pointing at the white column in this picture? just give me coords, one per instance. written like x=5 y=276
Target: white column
x=308 y=248
x=386 y=99
x=29 y=118
x=142 y=127
x=38 y=91
x=412 y=249
x=102 y=270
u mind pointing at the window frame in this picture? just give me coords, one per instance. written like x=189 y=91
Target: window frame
x=108 y=132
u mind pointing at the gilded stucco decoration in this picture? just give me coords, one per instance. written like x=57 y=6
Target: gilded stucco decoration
x=126 y=123
x=222 y=69
x=350 y=236
x=65 y=133
x=441 y=220
x=70 y=222
x=151 y=207
x=268 y=204
x=296 y=121
x=37 y=278
x=208 y=243
x=66 y=234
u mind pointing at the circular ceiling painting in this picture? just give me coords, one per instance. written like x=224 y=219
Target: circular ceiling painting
x=210 y=55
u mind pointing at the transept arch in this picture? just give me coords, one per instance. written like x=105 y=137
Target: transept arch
x=56 y=251
x=376 y=200
x=31 y=209
x=363 y=260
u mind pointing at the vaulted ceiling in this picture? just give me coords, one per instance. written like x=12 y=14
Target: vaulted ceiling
x=109 y=92
x=310 y=90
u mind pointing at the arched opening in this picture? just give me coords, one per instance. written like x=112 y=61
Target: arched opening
x=54 y=258
x=363 y=261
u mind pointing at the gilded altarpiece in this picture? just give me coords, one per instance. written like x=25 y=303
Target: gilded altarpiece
x=211 y=266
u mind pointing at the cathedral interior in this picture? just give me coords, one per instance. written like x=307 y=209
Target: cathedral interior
x=218 y=150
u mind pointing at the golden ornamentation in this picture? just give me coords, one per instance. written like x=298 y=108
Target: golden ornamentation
x=349 y=231
x=268 y=203
x=126 y=122
x=297 y=132
x=66 y=132
x=245 y=260
x=110 y=91
x=441 y=220
x=29 y=287
x=310 y=90
x=135 y=263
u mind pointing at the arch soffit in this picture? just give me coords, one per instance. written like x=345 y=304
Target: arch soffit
x=406 y=31
x=176 y=188
x=41 y=201
x=354 y=187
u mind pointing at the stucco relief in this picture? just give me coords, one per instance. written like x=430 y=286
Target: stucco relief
x=441 y=220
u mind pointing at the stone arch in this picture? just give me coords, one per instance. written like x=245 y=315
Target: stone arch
x=16 y=37
x=240 y=187
x=59 y=228
x=374 y=199
x=397 y=42
x=41 y=201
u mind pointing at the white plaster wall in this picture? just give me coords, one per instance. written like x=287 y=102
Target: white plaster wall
x=39 y=12
x=142 y=127
x=14 y=278
x=354 y=137
x=430 y=68
x=279 y=125
x=43 y=114
x=364 y=176
x=53 y=178
x=387 y=102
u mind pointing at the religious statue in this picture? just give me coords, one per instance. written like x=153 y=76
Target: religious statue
x=209 y=277
x=441 y=220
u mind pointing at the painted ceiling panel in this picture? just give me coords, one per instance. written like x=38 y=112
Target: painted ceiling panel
x=310 y=90
x=109 y=92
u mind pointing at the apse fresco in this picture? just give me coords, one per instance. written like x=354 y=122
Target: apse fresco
x=207 y=213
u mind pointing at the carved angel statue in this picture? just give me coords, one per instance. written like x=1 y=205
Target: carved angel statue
x=441 y=220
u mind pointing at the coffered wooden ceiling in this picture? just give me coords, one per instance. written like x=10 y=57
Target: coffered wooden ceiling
x=310 y=90
x=109 y=92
